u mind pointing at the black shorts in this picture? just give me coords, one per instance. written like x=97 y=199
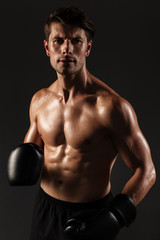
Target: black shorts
x=50 y=215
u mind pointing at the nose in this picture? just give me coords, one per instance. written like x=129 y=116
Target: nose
x=67 y=47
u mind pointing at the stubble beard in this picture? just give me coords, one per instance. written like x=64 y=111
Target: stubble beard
x=69 y=70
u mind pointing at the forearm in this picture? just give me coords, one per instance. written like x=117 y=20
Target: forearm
x=140 y=183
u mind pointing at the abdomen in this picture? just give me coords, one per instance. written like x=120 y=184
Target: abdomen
x=73 y=175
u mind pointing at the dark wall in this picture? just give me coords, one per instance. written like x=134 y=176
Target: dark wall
x=125 y=55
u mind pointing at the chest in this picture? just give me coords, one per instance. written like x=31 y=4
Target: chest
x=76 y=125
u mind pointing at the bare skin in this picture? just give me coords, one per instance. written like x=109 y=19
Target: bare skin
x=83 y=125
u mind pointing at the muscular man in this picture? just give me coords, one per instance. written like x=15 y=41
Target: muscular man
x=82 y=125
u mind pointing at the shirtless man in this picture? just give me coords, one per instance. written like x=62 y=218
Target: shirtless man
x=82 y=125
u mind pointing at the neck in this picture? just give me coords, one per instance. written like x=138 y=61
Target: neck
x=71 y=85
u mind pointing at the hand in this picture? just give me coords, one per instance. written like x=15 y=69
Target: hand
x=25 y=164
x=94 y=224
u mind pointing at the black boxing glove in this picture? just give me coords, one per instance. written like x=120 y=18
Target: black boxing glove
x=122 y=206
x=92 y=224
x=25 y=164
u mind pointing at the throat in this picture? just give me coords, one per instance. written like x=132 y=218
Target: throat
x=66 y=95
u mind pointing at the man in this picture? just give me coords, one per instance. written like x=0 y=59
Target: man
x=81 y=125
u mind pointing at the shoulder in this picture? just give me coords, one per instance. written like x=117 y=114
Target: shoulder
x=104 y=93
x=37 y=100
x=123 y=119
x=108 y=98
x=39 y=96
x=121 y=109
x=116 y=112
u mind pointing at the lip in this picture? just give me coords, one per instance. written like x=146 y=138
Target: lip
x=66 y=60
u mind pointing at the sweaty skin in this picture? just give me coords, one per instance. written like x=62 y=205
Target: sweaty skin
x=83 y=125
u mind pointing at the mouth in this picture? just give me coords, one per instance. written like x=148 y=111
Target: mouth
x=66 y=60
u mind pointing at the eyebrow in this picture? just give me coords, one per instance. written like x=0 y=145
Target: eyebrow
x=58 y=36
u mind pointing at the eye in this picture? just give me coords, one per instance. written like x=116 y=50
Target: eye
x=58 y=41
x=76 y=40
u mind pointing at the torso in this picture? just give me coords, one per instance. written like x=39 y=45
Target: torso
x=78 y=150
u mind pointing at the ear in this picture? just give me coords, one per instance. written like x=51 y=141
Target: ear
x=89 y=48
x=46 y=47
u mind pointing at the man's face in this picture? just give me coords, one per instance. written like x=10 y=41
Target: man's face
x=67 y=48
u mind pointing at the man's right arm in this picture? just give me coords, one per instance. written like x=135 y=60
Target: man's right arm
x=26 y=160
x=33 y=134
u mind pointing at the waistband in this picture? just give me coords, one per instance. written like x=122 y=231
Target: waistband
x=100 y=203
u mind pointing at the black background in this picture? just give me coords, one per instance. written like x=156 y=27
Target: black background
x=125 y=55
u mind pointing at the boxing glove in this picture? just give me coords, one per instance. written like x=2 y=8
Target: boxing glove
x=25 y=164
x=104 y=223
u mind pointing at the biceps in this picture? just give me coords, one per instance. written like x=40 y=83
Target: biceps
x=134 y=150
x=33 y=136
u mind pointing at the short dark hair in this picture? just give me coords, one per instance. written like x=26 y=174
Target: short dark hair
x=70 y=16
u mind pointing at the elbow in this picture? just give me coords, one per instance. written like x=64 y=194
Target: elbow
x=148 y=174
x=153 y=176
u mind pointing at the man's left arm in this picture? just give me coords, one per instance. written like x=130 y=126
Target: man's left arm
x=134 y=150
